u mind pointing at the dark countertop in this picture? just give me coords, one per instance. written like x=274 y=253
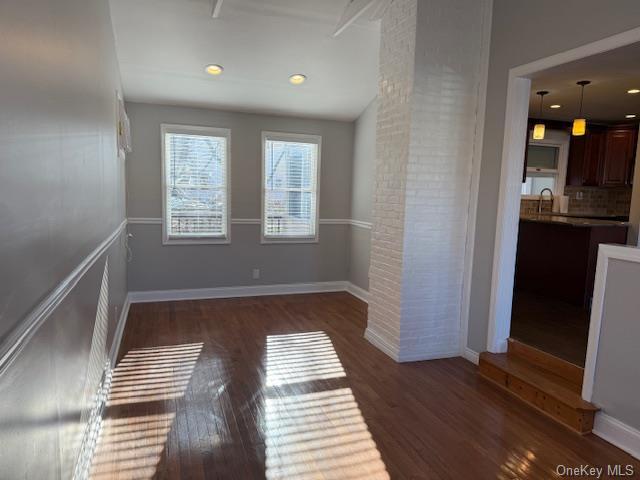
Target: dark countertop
x=571 y=221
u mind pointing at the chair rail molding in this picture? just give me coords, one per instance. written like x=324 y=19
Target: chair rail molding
x=256 y=221
x=21 y=335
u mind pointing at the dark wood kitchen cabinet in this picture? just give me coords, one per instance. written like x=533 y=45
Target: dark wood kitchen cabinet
x=585 y=158
x=619 y=157
x=604 y=157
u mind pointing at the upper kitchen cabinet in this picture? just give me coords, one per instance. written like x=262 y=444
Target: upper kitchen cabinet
x=586 y=155
x=619 y=156
x=603 y=157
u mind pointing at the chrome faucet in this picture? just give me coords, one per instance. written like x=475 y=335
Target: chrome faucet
x=542 y=198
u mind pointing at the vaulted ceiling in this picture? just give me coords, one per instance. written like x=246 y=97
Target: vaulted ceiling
x=164 y=45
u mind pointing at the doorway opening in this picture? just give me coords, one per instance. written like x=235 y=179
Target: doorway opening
x=546 y=248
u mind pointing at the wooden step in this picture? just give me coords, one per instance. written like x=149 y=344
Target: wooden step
x=547 y=392
x=572 y=373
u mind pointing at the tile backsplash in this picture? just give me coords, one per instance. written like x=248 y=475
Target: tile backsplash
x=593 y=201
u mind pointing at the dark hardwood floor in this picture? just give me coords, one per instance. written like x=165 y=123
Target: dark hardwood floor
x=286 y=387
x=550 y=325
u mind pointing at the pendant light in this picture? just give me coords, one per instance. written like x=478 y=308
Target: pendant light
x=580 y=124
x=538 y=129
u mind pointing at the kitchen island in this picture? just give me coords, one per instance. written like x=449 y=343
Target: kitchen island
x=557 y=255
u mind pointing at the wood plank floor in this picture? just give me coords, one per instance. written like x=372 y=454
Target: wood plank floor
x=286 y=387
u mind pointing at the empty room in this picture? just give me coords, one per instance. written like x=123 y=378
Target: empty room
x=302 y=239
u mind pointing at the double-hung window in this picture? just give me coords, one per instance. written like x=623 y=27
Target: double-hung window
x=290 y=177
x=195 y=183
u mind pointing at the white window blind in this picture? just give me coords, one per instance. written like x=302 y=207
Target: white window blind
x=290 y=185
x=196 y=199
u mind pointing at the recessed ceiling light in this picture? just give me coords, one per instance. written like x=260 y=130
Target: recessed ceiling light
x=214 y=69
x=297 y=79
x=555 y=106
x=634 y=90
x=631 y=115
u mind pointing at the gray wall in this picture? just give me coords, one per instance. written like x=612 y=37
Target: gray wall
x=364 y=162
x=516 y=39
x=159 y=267
x=62 y=194
x=617 y=377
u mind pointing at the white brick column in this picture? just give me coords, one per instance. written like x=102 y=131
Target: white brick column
x=428 y=94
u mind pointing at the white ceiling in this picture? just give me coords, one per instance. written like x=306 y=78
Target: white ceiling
x=164 y=45
x=611 y=73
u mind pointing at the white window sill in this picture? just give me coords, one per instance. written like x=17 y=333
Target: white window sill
x=291 y=240
x=197 y=241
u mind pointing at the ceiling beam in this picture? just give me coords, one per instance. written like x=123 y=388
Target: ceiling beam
x=216 y=6
x=352 y=12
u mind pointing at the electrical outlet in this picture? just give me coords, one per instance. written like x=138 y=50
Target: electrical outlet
x=256 y=273
x=579 y=195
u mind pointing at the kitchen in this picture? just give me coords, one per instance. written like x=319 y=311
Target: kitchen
x=577 y=193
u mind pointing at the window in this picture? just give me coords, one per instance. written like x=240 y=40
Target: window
x=290 y=170
x=195 y=172
x=546 y=164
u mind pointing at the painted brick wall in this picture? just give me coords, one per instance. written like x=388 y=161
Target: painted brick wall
x=430 y=69
x=397 y=54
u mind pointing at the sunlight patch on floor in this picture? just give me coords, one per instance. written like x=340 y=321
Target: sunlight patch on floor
x=131 y=450
x=319 y=434
x=301 y=357
x=130 y=447
x=151 y=374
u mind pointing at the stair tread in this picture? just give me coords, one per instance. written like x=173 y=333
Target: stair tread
x=544 y=380
x=548 y=362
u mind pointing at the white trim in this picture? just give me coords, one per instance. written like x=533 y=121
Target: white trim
x=605 y=254
x=388 y=349
x=471 y=355
x=335 y=221
x=381 y=344
x=506 y=240
x=145 y=220
x=233 y=292
x=517 y=108
x=361 y=224
x=358 y=292
x=196 y=130
x=474 y=186
x=301 y=138
x=117 y=337
x=617 y=433
x=257 y=221
x=25 y=331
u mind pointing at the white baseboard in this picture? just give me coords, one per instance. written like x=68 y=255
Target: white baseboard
x=378 y=342
x=358 y=292
x=117 y=338
x=232 y=292
x=617 y=433
x=471 y=355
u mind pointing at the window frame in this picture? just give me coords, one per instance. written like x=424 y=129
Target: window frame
x=299 y=138
x=167 y=239
x=557 y=139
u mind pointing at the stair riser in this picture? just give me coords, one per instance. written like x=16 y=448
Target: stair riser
x=577 y=420
x=557 y=366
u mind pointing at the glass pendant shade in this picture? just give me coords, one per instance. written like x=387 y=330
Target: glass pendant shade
x=538 y=131
x=579 y=127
